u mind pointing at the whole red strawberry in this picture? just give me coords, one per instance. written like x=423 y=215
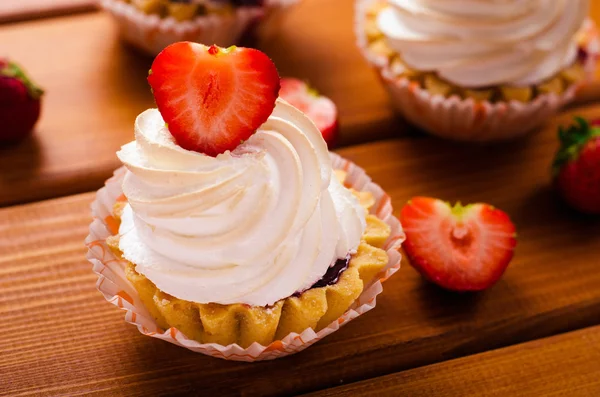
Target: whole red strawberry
x=576 y=167
x=458 y=248
x=19 y=103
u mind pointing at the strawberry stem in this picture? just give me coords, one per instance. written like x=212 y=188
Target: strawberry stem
x=12 y=70
x=312 y=91
x=572 y=140
x=459 y=210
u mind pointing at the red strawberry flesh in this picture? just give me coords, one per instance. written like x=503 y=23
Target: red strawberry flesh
x=212 y=98
x=12 y=91
x=459 y=248
x=321 y=110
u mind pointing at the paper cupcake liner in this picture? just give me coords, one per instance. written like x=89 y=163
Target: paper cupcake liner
x=466 y=119
x=152 y=33
x=116 y=289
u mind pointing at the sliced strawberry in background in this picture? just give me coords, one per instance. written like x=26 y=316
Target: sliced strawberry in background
x=212 y=98
x=458 y=248
x=321 y=110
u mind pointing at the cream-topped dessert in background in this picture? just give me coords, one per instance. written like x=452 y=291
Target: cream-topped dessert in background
x=474 y=43
x=234 y=227
x=252 y=226
x=485 y=50
x=478 y=70
x=152 y=25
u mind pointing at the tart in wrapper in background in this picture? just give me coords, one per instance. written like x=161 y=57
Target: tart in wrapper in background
x=152 y=34
x=116 y=289
x=468 y=119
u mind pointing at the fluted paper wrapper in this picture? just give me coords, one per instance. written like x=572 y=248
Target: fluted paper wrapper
x=116 y=289
x=466 y=119
x=152 y=33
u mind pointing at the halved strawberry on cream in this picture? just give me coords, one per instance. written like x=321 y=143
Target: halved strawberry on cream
x=213 y=98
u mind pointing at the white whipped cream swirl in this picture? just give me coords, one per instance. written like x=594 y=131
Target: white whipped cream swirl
x=479 y=43
x=250 y=226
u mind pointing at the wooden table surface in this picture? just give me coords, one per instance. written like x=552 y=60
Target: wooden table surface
x=23 y=10
x=60 y=335
x=61 y=338
x=555 y=366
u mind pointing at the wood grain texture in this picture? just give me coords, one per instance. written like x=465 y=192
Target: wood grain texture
x=61 y=337
x=23 y=10
x=94 y=91
x=96 y=87
x=562 y=365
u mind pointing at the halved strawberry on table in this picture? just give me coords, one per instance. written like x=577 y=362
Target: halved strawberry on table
x=460 y=248
x=213 y=98
x=320 y=109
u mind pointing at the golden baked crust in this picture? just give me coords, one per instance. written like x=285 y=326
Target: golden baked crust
x=181 y=11
x=243 y=324
x=435 y=85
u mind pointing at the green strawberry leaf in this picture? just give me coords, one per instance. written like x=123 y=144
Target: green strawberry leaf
x=572 y=140
x=312 y=91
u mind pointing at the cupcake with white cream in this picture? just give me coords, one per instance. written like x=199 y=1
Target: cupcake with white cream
x=233 y=226
x=478 y=70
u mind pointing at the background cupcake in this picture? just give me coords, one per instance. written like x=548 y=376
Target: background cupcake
x=474 y=70
x=151 y=25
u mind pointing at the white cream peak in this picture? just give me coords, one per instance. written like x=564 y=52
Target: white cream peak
x=480 y=43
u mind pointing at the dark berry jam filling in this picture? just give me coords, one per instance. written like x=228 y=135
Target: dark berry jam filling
x=582 y=54
x=331 y=276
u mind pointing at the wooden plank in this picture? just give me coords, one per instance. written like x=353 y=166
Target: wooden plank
x=96 y=87
x=60 y=336
x=23 y=10
x=562 y=365
x=94 y=90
